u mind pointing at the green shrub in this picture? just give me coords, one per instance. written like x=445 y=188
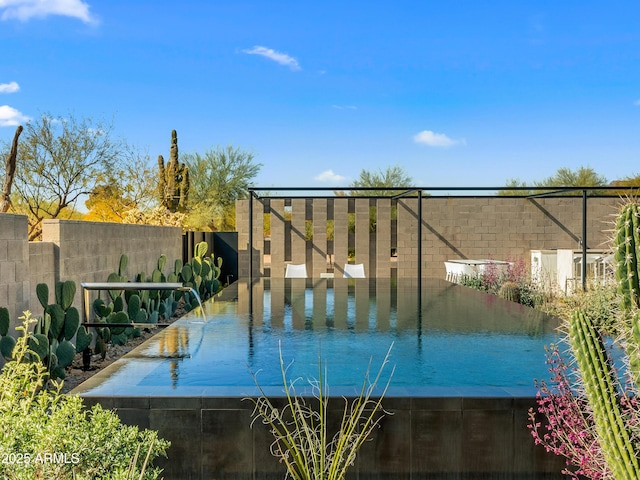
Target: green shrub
x=600 y=303
x=46 y=434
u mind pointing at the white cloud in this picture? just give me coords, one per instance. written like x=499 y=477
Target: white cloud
x=434 y=139
x=637 y=103
x=329 y=176
x=10 y=87
x=10 y=117
x=344 y=107
x=278 y=57
x=23 y=10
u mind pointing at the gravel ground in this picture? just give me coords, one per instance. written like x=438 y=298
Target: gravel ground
x=75 y=373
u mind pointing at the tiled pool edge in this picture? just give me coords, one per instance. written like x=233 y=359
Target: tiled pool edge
x=425 y=438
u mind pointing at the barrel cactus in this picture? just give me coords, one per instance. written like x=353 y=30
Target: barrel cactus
x=510 y=291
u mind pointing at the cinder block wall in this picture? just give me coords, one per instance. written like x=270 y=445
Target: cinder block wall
x=14 y=265
x=462 y=227
x=90 y=251
x=74 y=250
x=42 y=269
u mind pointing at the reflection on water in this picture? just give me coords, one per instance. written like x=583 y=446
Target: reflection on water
x=447 y=336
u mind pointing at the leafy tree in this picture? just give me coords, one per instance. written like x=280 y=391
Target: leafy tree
x=60 y=160
x=564 y=177
x=130 y=188
x=510 y=188
x=219 y=177
x=582 y=177
x=391 y=177
x=628 y=181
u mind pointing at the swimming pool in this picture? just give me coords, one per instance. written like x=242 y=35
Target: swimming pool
x=444 y=339
x=464 y=368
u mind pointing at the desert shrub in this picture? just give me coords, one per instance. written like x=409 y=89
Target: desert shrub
x=303 y=440
x=600 y=302
x=46 y=434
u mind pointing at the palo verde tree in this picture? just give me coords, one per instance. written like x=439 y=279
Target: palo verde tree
x=219 y=177
x=392 y=177
x=125 y=192
x=564 y=177
x=60 y=160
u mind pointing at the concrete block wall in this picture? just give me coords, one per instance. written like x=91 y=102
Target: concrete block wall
x=42 y=269
x=90 y=251
x=14 y=266
x=74 y=250
x=461 y=227
x=508 y=228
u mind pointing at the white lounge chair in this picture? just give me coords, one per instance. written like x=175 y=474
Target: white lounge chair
x=354 y=270
x=296 y=270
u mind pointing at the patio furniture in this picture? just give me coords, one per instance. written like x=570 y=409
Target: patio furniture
x=456 y=271
x=296 y=270
x=354 y=270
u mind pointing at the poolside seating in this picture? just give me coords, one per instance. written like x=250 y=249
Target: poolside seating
x=296 y=270
x=457 y=271
x=354 y=270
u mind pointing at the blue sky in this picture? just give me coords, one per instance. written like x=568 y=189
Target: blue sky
x=463 y=93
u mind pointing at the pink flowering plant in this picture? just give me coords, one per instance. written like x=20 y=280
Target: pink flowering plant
x=563 y=421
x=494 y=276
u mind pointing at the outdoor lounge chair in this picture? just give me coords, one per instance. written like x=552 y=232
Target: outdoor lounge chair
x=296 y=270
x=354 y=271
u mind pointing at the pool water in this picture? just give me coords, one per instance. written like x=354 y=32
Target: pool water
x=445 y=336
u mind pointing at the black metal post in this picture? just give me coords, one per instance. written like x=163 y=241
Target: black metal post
x=584 y=241
x=420 y=239
x=250 y=236
x=420 y=257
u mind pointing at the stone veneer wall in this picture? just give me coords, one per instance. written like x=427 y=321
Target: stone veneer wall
x=74 y=250
x=460 y=227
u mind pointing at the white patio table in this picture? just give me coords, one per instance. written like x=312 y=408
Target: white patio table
x=458 y=268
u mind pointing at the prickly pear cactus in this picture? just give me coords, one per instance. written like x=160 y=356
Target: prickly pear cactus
x=7 y=342
x=59 y=324
x=201 y=274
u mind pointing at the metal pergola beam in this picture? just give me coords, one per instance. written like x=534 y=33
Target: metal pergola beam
x=404 y=191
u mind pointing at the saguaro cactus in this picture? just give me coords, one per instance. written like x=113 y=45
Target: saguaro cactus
x=600 y=387
x=626 y=246
x=626 y=242
x=173 y=186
